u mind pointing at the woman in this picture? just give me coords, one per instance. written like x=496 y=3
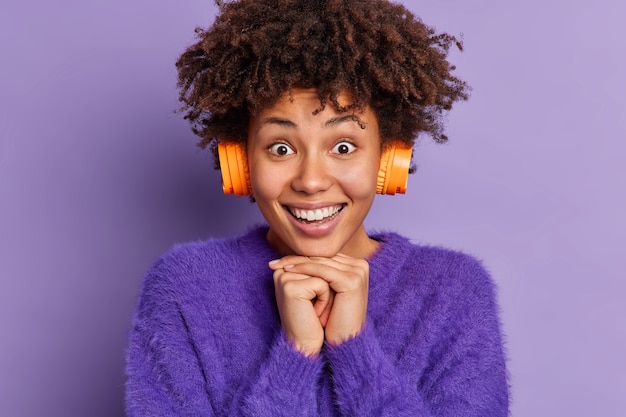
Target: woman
x=314 y=105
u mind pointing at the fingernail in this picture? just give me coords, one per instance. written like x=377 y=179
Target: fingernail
x=275 y=261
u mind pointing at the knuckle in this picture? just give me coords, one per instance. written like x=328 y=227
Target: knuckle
x=289 y=287
x=354 y=284
x=363 y=264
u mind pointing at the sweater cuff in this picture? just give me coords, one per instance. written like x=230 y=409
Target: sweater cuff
x=359 y=357
x=287 y=382
x=365 y=381
x=294 y=367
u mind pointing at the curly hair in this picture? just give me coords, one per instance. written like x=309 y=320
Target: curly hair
x=378 y=51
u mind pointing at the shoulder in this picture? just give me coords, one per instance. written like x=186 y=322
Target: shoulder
x=434 y=266
x=187 y=262
x=449 y=289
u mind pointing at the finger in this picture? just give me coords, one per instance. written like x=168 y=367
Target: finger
x=328 y=270
x=341 y=265
x=348 y=260
x=339 y=261
x=325 y=314
x=281 y=275
x=295 y=287
x=316 y=269
x=345 y=280
x=296 y=260
x=287 y=260
x=322 y=301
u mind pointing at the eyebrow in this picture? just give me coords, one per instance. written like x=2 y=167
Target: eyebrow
x=342 y=119
x=278 y=121
x=330 y=122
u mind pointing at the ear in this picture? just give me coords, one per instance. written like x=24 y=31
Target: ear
x=393 y=173
x=234 y=167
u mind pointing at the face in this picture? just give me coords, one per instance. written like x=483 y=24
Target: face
x=314 y=176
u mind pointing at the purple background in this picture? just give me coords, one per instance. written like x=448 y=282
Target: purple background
x=98 y=177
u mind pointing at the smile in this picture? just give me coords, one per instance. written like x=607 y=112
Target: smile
x=321 y=214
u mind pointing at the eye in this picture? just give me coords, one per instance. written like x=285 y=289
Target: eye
x=343 y=148
x=280 y=149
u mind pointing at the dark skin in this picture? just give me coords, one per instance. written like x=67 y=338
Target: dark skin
x=260 y=54
x=321 y=299
x=378 y=51
x=325 y=165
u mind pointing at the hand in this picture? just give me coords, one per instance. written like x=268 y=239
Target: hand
x=348 y=280
x=304 y=303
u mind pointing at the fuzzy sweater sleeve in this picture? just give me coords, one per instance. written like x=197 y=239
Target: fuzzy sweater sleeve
x=444 y=357
x=168 y=375
x=163 y=374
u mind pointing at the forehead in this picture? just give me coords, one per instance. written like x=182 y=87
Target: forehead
x=305 y=103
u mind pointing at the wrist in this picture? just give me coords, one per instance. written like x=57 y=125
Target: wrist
x=336 y=338
x=309 y=348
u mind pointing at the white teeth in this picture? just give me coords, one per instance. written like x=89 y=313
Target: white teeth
x=317 y=214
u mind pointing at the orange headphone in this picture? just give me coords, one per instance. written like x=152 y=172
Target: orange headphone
x=393 y=172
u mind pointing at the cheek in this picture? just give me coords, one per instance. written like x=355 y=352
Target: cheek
x=361 y=181
x=266 y=185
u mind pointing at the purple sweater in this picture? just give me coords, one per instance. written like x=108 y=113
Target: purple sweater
x=207 y=339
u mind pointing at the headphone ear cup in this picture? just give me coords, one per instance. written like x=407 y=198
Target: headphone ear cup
x=393 y=173
x=234 y=167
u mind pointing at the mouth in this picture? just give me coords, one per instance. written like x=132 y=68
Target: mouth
x=320 y=215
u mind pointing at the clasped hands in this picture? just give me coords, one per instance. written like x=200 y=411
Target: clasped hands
x=320 y=299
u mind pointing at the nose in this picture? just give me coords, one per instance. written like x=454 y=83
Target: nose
x=312 y=175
